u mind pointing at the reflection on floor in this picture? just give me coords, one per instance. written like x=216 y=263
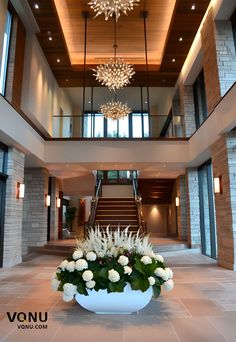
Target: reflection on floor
x=201 y=308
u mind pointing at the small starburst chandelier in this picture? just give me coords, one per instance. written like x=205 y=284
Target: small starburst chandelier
x=112 y=7
x=115 y=110
x=116 y=73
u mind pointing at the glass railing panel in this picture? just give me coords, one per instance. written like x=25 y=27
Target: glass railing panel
x=136 y=125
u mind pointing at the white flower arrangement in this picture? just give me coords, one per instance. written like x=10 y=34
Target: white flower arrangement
x=110 y=260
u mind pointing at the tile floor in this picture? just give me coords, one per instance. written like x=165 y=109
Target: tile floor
x=201 y=308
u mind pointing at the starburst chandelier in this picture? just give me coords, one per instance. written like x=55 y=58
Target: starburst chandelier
x=112 y=7
x=115 y=74
x=115 y=110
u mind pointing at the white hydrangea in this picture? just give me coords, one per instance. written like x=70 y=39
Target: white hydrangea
x=160 y=272
x=81 y=265
x=159 y=257
x=58 y=270
x=67 y=298
x=127 y=270
x=55 y=284
x=78 y=254
x=113 y=276
x=146 y=260
x=64 y=264
x=87 y=275
x=168 y=285
x=90 y=284
x=109 y=254
x=151 y=280
x=69 y=289
x=170 y=272
x=70 y=266
x=91 y=256
x=123 y=260
x=101 y=254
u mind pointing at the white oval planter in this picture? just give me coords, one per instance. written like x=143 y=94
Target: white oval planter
x=125 y=302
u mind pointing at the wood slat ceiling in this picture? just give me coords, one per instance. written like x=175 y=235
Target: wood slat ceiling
x=185 y=23
x=156 y=191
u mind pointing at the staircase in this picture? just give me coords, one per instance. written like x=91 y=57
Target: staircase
x=117 y=212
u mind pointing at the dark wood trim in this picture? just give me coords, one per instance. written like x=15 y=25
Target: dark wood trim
x=117 y=139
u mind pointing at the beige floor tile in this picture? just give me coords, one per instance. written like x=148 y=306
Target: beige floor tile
x=197 y=329
x=226 y=326
x=202 y=307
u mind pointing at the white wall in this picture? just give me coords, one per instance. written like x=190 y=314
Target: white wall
x=117 y=191
x=156 y=217
x=41 y=96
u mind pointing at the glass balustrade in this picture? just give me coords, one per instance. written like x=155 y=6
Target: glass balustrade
x=136 y=125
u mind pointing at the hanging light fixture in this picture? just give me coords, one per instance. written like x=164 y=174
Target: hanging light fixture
x=112 y=7
x=116 y=73
x=115 y=110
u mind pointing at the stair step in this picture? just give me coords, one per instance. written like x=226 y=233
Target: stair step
x=107 y=199
x=113 y=207
x=116 y=217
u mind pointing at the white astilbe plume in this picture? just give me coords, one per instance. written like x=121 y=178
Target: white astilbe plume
x=113 y=243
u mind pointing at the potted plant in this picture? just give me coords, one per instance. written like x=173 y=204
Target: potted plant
x=112 y=272
x=70 y=216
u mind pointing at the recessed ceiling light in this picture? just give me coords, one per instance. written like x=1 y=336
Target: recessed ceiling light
x=67 y=80
x=180 y=39
x=164 y=165
x=36 y=6
x=163 y=81
x=146 y=102
x=193 y=7
x=89 y=102
x=49 y=38
x=58 y=60
x=173 y=60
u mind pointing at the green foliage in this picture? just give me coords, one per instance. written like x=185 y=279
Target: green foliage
x=70 y=216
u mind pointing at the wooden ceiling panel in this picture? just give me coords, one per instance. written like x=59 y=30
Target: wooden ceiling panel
x=130 y=36
x=156 y=191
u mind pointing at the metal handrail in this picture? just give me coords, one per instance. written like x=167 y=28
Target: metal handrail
x=138 y=202
x=94 y=203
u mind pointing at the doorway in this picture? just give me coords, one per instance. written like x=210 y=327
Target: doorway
x=207 y=211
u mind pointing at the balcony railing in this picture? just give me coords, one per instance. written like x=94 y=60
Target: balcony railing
x=136 y=125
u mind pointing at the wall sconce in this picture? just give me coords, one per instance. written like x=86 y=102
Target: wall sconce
x=177 y=201
x=20 y=193
x=58 y=203
x=218 y=185
x=48 y=200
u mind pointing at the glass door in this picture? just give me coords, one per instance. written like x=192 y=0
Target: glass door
x=207 y=211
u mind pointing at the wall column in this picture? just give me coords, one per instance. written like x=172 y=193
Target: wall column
x=34 y=209
x=224 y=165
x=187 y=109
x=219 y=58
x=12 y=252
x=193 y=209
x=54 y=209
x=181 y=192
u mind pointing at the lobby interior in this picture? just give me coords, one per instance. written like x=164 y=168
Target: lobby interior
x=172 y=157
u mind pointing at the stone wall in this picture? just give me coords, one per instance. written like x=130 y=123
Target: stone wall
x=219 y=59
x=187 y=109
x=34 y=209
x=53 y=208
x=12 y=253
x=192 y=207
x=181 y=192
x=224 y=165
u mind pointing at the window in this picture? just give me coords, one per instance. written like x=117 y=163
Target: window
x=207 y=211
x=5 y=52
x=233 y=22
x=135 y=125
x=3 y=177
x=200 y=104
x=117 y=177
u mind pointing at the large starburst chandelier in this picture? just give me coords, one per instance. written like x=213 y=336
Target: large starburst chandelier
x=115 y=74
x=115 y=110
x=112 y=7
